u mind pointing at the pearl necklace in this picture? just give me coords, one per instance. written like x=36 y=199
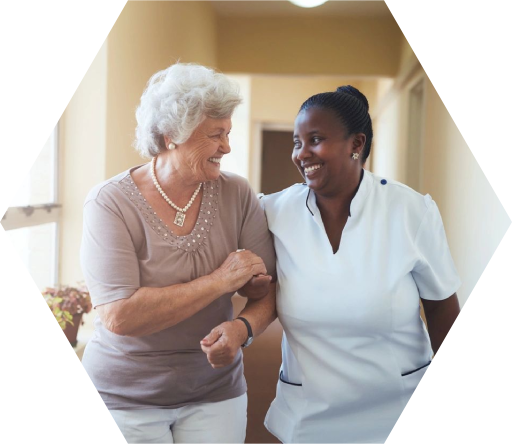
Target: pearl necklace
x=180 y=215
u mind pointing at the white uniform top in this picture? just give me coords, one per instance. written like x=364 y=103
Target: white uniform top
x=354 y=346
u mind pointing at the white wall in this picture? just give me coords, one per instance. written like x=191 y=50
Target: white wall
x=387 y=149
x=240 y=138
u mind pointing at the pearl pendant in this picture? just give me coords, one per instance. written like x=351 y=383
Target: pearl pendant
x=180 y=215
x=179 y=219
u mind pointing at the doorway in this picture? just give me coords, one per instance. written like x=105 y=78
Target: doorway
x=277 y=169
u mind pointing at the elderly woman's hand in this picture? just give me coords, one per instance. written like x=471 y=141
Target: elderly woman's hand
x=222 y=344
x=238 y=269
x=257 y=287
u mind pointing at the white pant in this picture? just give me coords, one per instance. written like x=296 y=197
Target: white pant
x=212 y=422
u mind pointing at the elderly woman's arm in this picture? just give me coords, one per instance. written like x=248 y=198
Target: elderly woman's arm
x=443 y=320
x=222 y=344
x=150 y=310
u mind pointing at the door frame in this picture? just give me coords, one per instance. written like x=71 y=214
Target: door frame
x=256 y=154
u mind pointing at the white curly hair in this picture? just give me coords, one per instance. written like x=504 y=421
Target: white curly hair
x=176 y=100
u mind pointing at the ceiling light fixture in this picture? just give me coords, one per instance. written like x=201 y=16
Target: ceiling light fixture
x=308 y=3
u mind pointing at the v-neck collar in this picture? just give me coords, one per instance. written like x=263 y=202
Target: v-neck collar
x=356 y=205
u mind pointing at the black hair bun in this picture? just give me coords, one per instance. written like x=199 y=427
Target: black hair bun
x=354 y=92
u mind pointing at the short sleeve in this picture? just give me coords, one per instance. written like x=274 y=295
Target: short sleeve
x=434 y=272
x=255 y=235
x=107 y=254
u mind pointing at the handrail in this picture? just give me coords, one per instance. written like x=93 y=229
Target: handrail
x=29 y=209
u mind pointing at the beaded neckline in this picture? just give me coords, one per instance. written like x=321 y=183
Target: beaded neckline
x=191 y=242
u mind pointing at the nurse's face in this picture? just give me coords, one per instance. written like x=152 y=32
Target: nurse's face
x=322 y=152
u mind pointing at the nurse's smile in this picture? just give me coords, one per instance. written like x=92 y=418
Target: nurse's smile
x=310 y=170
x=322 y=152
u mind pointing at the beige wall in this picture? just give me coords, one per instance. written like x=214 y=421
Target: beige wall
x=82 y=146
x=474 y=219
x=145 y=39
x=407 y=57
x=315 y=45
x=278 y=98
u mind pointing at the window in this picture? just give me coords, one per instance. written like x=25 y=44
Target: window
x=28 y=263
x=40 y=187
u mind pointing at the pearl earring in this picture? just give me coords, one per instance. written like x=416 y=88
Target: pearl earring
x=355 y=156
x=172 y=146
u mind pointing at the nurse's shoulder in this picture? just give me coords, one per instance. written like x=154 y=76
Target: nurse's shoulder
x=283 y=201
x=400 y=200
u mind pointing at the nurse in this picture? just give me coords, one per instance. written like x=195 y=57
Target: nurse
x=355 y=254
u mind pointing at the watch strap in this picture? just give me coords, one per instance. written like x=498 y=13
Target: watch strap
x=249 y=331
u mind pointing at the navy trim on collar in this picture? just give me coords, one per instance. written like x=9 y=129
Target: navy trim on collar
x=360 y=193
x=307 y=199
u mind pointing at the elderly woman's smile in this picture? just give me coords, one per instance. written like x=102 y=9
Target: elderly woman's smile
x=204 y=150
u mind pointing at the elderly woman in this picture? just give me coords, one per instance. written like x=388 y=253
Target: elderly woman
x=355 y=254
x=165 y=246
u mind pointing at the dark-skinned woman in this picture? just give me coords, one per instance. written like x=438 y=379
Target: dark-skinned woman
x=355 y=254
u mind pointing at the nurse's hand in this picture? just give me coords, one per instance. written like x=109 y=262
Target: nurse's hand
x=223 y=343
x=257 y=288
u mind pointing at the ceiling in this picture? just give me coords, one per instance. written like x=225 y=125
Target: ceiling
x=338 y=8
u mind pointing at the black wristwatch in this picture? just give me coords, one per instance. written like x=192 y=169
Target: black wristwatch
x=249 y=332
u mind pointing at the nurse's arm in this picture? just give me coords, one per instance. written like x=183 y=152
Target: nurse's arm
x=256 y=288
x=260 y=313
x=443 y=321
x=222 y=344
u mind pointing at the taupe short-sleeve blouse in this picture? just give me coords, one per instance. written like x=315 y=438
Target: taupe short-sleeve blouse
x=126 y=246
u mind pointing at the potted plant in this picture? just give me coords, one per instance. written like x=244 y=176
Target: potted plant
x=68 y=305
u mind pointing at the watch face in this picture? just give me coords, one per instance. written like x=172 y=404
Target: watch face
x=248 y=342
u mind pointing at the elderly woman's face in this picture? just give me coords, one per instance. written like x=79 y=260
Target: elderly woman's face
x=204 y=150
x=323 y=153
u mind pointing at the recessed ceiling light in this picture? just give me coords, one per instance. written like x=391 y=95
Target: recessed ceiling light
x=308 y=3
